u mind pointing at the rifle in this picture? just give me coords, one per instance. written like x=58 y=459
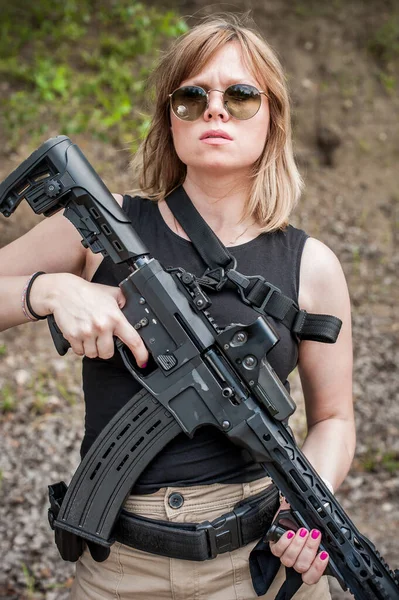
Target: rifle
x=199 y=374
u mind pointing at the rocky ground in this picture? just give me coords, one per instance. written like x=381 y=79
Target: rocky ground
x=353 y=206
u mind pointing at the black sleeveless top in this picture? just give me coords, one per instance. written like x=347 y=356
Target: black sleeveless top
x=209 y=457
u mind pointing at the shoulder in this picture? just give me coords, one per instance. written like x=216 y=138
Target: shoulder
x=290 y=237
x=136 y=206
x=323 y=286
x=126 y=200
x=293 y=232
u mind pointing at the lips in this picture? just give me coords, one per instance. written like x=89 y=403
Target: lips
x=215 y=133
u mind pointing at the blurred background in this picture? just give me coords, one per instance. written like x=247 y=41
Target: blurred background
x=79 y=68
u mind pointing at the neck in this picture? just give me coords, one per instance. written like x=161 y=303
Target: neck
x=221 y=203
x=220 y=200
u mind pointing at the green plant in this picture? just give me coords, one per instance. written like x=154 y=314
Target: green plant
x=7 y=399
x=390 y=461
x=384 y=44
x=356 y=258
x=29 y=581
x=364 y=145
x=312 y=8
x=369 y=463
x=388 y=81
x=79 y=69
x=65 y=393
x=375 y=459
x=3 y=349
x=39 y=403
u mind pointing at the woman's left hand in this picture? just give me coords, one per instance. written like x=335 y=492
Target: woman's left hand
x=300 y=550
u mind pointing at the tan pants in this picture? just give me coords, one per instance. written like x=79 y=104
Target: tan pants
x=132 y=574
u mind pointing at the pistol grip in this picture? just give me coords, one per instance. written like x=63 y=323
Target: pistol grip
x=61 y=344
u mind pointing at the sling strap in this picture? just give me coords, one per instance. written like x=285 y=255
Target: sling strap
x=264 y=566
x=263 y=297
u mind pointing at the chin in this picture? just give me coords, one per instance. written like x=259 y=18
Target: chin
x=220 y=166
x=216 y=160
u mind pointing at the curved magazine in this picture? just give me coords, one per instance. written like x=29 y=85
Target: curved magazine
x=114 y=462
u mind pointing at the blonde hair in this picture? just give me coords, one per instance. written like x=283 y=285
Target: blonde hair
x=276 y=184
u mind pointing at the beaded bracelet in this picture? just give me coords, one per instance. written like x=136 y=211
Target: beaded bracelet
x=23 y=297
x=25 y=302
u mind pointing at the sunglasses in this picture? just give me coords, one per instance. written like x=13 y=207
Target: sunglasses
x=241 y=101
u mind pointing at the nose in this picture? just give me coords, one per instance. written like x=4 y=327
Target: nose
x=215 y=107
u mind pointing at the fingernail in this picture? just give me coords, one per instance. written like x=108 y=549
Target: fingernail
x=323 y=556
x=315 y=534
x=290 y=535
x=143 y=366
x=303 y=533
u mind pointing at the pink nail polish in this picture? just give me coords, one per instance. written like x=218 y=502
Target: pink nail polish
x=143 y=366
x=303 y=533
x=323 y=556
x=290 y=535
x=315 y=534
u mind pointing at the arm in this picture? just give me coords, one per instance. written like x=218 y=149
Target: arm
x=30 y=253
x=326 y=376
x=88 y=314
x=326 y=369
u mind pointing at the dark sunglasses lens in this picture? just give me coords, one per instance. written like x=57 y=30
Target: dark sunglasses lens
x=188 y=103
x=242 y=101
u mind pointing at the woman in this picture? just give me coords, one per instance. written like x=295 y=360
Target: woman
x=221 y=129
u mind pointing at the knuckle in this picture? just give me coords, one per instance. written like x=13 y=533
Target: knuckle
x=302 y=566
x=117 y=315
x=72 y=336
x=288 y=562
x=101 y=325
x=309 y=578
x=273 y=550
x=85 y=333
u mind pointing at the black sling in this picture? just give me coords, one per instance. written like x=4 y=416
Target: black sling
x=264 y=297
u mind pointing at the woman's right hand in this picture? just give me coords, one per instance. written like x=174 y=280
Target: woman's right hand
x=88 y=314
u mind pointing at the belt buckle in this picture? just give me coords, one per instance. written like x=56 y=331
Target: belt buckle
x=224 y=533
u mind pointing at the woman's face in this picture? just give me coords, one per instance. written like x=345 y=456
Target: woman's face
x=247 y=137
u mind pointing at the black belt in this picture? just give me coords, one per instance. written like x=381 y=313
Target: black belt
x=248 y=521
